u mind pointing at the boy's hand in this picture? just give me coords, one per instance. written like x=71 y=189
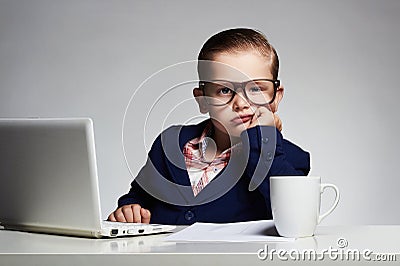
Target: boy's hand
x=278 y=122
x=264 y=117
x=132 y=213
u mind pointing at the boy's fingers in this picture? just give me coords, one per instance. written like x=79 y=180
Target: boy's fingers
x=128 y=213
x=257 y=114
x=137 y=218
x=119 y=216
x=145 y=215
x=278 y=122
x=262 y=116
x=262 y=110
x=111 y=218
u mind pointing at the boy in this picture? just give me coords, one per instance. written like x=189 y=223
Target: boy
x=217 y=171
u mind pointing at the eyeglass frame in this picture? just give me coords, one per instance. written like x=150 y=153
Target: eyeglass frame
x=242 y=85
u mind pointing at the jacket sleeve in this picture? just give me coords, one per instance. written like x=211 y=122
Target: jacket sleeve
x=136 y=194
x=164 y=177
x=270 y=155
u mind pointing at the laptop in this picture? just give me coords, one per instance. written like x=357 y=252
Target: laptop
x=49 y=182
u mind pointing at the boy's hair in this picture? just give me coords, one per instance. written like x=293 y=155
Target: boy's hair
x=236 y=40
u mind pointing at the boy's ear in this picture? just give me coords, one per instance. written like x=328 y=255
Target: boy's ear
x=201 y=101
x=278 y=98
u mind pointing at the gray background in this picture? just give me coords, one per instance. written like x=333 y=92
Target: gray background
x=339 y=65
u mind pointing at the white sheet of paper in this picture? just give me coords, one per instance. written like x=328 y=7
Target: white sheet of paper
x=253 y=231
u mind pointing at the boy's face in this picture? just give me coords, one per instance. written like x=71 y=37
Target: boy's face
x=236 y=116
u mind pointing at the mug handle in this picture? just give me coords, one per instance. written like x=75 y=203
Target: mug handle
x=337 y=196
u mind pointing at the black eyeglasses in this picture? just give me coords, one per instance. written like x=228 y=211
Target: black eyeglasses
x=257 y=91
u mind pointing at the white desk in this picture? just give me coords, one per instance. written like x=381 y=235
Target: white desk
x=21 y=248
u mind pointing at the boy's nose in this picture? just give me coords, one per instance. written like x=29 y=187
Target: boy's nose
x=239 y=101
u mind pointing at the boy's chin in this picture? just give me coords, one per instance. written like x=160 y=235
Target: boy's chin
x=232 y=130
x=237 y=130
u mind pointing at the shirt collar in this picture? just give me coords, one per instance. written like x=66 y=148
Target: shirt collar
x=204 y=139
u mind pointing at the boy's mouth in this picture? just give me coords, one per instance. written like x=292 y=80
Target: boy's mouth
x=242 y=119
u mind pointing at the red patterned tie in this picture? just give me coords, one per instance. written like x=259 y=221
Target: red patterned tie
x=201 y=184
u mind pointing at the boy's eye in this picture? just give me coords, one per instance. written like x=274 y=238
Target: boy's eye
x=225 y=91
x=255 y=89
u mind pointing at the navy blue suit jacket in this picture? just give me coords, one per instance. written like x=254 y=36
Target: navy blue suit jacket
x=240 y=192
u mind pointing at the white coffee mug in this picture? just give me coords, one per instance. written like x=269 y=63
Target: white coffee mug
x=295 y=203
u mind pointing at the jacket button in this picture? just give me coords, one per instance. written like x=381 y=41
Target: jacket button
x=189 y=215
x=269 y=156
